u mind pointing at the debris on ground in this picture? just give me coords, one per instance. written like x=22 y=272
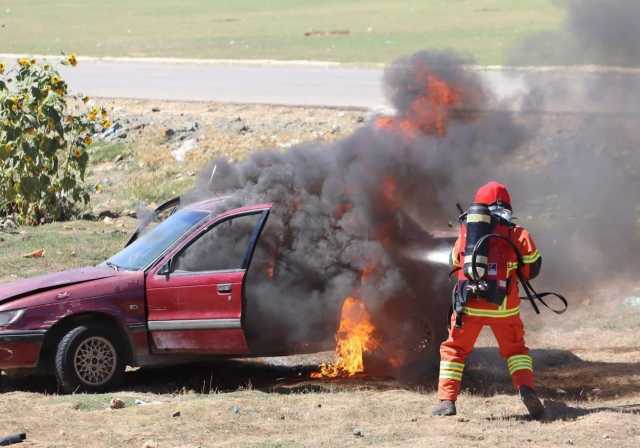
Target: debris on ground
x=327 y=33
x=181 y=151
x=13 y=438
x=239 y=126
x=235 y=409
x=39 y=253
x=8 y=225
x=176 y=414
x=632 y=301
x=117 y=403
x=115 y=132
x=358 y=432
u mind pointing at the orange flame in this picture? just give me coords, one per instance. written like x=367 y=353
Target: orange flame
x=427 y=114
x=355 y=337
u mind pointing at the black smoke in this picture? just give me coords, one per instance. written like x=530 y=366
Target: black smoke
x=594 y=32
x=346 y=213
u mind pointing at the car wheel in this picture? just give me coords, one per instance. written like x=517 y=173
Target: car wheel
x=89 y=359
x=413 y=352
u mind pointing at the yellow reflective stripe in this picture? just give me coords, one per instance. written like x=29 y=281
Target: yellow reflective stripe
x=519 y=362
x=478 y=218
x=446 y=375
x=490 y=313
x=527 y=259
x=511 y=266
x=515 y=358
x=453 y=369
x=518 y=367
x=453 y=365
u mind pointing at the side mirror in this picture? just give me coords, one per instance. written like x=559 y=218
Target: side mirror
x=167 y=269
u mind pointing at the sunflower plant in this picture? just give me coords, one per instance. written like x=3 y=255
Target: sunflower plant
x=44 y=135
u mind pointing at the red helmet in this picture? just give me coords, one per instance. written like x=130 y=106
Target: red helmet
x=493 y=193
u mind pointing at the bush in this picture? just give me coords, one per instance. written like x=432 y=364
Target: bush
x=43 y=143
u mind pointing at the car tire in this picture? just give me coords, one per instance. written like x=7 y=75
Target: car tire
x=417 y=354
x=89 y=359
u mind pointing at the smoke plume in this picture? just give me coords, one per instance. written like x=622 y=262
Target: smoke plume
x=594 y=32
x=346 y=213
x=583 y=169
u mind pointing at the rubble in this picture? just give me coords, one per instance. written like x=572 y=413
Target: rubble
x=7 y=225
x=115 y=132
x=13 y=438
x=117 y=403
x=239 y=126
x=181 y=151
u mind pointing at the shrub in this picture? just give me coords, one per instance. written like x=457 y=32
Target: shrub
x=44 y=135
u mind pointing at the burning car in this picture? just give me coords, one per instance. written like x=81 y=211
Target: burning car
x=187 y=289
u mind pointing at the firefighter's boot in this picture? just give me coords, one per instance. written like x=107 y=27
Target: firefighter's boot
x=532 y=402
x=444 y=408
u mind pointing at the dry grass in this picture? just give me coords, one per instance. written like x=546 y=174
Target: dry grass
x=589 y=380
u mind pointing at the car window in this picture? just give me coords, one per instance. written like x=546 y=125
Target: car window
x=153 y=243
x=223 y=247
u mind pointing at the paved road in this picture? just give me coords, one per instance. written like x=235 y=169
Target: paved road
x=311 y=84
x=295 y=85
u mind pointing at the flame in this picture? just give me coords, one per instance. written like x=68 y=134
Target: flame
x=354 y=338
x=429 y=113
x=270 y=270
x=389 y=189
x=342 y=209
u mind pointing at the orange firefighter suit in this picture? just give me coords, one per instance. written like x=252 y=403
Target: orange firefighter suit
x=503 y=319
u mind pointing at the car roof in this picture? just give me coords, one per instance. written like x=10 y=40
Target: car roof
x=212 y=205
x=207 y=205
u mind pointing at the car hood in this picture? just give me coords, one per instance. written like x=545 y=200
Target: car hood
x=34 y=285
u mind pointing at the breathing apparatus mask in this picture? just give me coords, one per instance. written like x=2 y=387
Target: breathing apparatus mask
x=501 y=210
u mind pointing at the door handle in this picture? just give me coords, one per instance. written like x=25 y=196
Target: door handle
x=225 y=288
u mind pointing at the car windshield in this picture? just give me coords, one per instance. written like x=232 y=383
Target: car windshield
x=143 y=251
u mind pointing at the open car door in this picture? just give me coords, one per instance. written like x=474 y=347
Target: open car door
x=162 y=212
x=195 y=294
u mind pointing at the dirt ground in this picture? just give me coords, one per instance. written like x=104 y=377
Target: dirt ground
x=587 y=361
x=588 y=374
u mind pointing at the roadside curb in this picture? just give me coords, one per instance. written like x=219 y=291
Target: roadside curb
x=325 y=64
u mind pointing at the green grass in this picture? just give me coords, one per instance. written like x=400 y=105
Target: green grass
x=67 y=244
x=106 y=152
x=380 y=30
x=156 y=189
x=91 y=402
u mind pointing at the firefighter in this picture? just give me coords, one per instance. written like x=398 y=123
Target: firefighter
x=493 y=300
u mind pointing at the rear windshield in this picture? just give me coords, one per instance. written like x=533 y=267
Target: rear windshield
x=143 y=251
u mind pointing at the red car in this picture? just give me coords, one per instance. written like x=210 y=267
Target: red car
x=159 y=300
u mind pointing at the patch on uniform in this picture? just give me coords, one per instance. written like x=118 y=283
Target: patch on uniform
x=492 y=269
x=502 y=283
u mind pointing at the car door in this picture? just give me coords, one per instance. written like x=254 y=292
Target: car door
x=195 y=294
